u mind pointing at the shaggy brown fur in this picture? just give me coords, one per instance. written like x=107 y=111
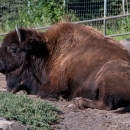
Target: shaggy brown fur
x=68 y=60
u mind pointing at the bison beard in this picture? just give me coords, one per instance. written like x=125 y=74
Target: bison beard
x=68 y=60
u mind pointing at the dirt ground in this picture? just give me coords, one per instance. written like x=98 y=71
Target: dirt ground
x=84 y=119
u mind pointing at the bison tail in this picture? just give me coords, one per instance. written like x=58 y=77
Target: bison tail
x=123 y=110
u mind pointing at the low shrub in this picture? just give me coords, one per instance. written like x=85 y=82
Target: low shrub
x=34 y=114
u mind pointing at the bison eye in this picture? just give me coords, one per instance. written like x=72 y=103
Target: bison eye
x=12 y=49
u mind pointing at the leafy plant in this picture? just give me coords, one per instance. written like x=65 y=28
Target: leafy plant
x=124 y=24
x=35 y=114
x=37 y=13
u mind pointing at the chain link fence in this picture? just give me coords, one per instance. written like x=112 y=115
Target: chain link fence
x=91 y=9
x=84 y=10
x=94 y=9
x=9 y=9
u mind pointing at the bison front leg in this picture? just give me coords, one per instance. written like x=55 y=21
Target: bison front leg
x=54 y=88
x=87 y=103
x=47 y=91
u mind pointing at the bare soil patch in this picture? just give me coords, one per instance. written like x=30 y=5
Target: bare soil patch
x=84 y=119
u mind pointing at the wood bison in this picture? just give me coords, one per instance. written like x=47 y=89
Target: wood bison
x=68 y=60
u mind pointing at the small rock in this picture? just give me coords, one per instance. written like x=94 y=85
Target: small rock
x=72 y=106
x=11 y=125
x=126 y=44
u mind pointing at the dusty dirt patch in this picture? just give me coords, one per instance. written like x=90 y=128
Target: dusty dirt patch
x=86 y=119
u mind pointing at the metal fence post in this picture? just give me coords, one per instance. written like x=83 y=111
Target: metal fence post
x=127 y=6
x=123 y=6
x=105 y=9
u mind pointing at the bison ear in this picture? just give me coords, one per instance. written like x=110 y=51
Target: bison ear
x=18 y=33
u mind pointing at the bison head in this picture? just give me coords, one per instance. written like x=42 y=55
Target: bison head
x=20 y=52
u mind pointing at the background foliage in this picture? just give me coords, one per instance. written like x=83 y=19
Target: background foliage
x=35 y=13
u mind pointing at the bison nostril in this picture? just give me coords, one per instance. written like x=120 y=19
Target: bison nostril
x=2 y=67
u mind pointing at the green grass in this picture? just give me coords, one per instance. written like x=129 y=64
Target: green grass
x=112 y=31
x=1 y=38
x=34 y=114
x=119 y=38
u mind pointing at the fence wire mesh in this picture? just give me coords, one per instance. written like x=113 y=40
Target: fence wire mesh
x=9 y=9
x=113 y=25
x=83 y=9
x=89 y=9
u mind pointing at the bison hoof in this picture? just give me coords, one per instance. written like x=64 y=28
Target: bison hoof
x=78 y=102
x=72 y=106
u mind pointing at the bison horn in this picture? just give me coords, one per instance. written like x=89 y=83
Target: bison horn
x=18 y=32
